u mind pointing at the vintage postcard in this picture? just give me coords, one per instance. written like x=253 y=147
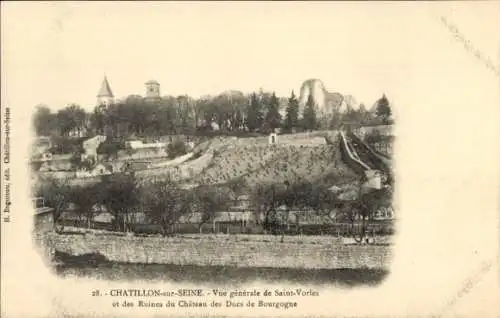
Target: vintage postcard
x=281 y=159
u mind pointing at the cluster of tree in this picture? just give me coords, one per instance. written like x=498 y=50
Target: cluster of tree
x=383 y=110
x=375 y=136
x=164 y=202
x=70 y=118
x=110 y=148
x=61 y=145
x=79 y=162
x=229 y=112
x=317 y=198
x=176 y=148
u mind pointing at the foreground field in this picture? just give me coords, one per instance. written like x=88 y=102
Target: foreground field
x=226 y=250
x=224 y=276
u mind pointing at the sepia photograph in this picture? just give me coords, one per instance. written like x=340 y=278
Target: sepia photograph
x=219 y=156
x=232 y=186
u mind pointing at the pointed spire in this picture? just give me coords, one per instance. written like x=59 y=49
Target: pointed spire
x=105 y=90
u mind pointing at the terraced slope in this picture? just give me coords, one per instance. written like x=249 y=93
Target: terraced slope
x=234 y=162
x=259 y=164
x=222 y=161
x=308 y=163
x=189 y=169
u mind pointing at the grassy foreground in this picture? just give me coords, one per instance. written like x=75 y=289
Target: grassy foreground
x=218 y=276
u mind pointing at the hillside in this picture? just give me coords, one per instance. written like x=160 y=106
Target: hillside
x=219 y=160
x=256 y=162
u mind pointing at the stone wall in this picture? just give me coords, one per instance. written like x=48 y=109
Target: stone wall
x=228 y=250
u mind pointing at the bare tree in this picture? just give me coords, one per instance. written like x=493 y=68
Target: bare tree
x=165 y=203
x=267 y=198
x=368 y=203
x=56 y=194
x=321 y=199
x=121 y=197
x=85 y=198
x=211 y=200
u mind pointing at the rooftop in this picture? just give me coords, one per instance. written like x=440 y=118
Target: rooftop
x=105 y=90
x=43 y=210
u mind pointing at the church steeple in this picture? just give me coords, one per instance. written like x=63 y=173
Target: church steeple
x=105 y=95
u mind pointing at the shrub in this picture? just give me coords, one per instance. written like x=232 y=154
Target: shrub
x=110 y=148
x=176 y=148
x=64 y=145
x=373 y=137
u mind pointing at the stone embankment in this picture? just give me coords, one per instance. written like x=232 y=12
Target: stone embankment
x=227 y=250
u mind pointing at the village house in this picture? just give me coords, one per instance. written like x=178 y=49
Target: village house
x=43 y=216
x=52 y=165
x=136 y=165
x=41 y=145
x=384 y=130
x=100 y=169
x=138 y=144
x=90 y=147
x=80 y=131
x=46 y=156
x=42 y=157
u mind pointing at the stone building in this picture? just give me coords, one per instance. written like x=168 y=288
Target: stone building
x=105 y=95
x=43 y=216
x=152 y=90
x=273 y=139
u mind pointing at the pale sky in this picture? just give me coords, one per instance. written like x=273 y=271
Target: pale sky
x=58 y=53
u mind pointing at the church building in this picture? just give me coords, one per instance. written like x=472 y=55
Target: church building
x=105 y=95
x=152 y=90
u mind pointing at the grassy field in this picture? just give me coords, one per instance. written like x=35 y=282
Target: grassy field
x=223 y=276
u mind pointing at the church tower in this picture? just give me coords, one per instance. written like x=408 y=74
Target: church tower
x=152 y=89
x=105 y=95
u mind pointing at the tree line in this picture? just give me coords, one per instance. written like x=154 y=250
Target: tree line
x=164 y=202
x=228 y=112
